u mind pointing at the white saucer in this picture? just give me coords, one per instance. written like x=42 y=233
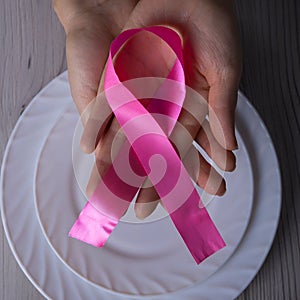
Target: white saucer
x=48 y=245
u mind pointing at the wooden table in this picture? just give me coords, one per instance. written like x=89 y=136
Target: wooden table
x=33 y=52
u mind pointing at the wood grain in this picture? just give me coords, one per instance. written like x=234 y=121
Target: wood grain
x=33 y=52
x=270 y=33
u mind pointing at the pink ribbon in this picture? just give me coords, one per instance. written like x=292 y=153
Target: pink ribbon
x=148 y=152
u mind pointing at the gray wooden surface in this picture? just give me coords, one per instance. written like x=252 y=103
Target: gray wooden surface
x=32 y=52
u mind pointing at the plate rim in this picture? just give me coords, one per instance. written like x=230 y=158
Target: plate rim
x=5 y=158
x=102 y=287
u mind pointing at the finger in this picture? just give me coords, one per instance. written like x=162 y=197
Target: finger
x=221 y=69
x=215 y=55
x=221 y=88
x=105 y=153
x=192 y=115
x=209 y=179
x=146 y=201
x=223 y=158
x=98 y=115
x=102 y=164
x=93 y=181
x=203 y=173
x=222 y=103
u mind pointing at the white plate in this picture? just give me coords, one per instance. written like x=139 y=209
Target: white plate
x=151 y=248
x=59 y=280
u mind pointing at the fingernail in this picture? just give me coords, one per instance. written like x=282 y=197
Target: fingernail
x=236 y=146
x=144 y=209
x=140 y=212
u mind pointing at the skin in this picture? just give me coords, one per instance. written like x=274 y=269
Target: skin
x=211 y=47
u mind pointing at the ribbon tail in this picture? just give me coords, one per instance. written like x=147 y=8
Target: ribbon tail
x=107 y=205
x=197 y=229
x=92 y=227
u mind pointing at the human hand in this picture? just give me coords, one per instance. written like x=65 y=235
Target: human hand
x=211 y=48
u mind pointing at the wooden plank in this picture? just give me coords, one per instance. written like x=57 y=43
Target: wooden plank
x=32 y=53
x=270 y=33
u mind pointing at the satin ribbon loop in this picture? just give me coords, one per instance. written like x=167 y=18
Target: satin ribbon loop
x=151 y=154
